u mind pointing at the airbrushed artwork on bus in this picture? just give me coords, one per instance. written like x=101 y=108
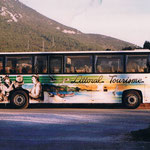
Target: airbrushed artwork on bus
x=8 y=86
x=90 y=88
x=70 y=88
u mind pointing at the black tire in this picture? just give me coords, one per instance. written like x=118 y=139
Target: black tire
x=19 y=99
x=132 y=99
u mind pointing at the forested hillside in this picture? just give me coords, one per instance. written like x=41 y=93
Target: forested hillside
x=24 y=29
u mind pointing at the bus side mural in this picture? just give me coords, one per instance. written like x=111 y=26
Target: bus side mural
x=71 y=88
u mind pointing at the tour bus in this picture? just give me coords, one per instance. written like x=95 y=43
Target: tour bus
x=77 y=77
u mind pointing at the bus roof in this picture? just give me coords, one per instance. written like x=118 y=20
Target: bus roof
x=79 y=52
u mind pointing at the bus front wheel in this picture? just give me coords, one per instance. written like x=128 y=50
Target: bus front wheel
x=20 y=99
x=132 y=99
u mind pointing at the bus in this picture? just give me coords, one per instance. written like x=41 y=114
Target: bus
x=77 y=77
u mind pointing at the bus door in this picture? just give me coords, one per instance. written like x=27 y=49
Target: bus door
x=78 y=69
x=107 y=67
x=103 y=91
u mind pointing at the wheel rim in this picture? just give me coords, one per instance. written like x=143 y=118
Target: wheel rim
x=132 y=99
x=19 y=100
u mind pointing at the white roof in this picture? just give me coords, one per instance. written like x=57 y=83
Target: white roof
x=80 y=52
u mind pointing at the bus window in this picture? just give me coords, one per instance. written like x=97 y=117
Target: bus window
x=18 y=64
x=109 y=64
x=1 y=65
x=40 y=64
x=78 y=64
x=55 y=65
x=137 y=63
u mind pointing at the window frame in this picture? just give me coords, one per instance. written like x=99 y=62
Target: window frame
x=78 y=54
x=3 y=63
x=33 y=61
x=62 y=62
x=109 y=55
x=16 y=55
x=137 y=54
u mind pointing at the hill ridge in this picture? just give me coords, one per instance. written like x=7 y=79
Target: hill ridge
x=24 y=29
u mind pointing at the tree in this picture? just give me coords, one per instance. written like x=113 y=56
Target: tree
x=146 y=45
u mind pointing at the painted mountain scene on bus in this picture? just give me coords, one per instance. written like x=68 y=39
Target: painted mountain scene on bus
x=24 y=29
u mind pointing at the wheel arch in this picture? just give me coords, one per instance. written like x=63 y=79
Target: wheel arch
x=19 y=89
x=131 y=90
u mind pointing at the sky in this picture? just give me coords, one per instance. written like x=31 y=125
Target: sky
x=128 y=20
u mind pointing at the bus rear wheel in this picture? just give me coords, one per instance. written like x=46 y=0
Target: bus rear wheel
x=132 y=99
x=19 y=99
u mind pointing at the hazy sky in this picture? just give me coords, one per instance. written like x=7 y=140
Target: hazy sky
x=128 y=20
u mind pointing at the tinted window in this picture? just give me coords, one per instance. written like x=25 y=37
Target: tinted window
x=78 y=64
x=109 y=64
x=1 y=65
x=18 y=64
x=137 y=63
x=55 y=65
x=40 y=64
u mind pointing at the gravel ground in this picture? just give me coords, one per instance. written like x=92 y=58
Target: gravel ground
x=72 y=129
